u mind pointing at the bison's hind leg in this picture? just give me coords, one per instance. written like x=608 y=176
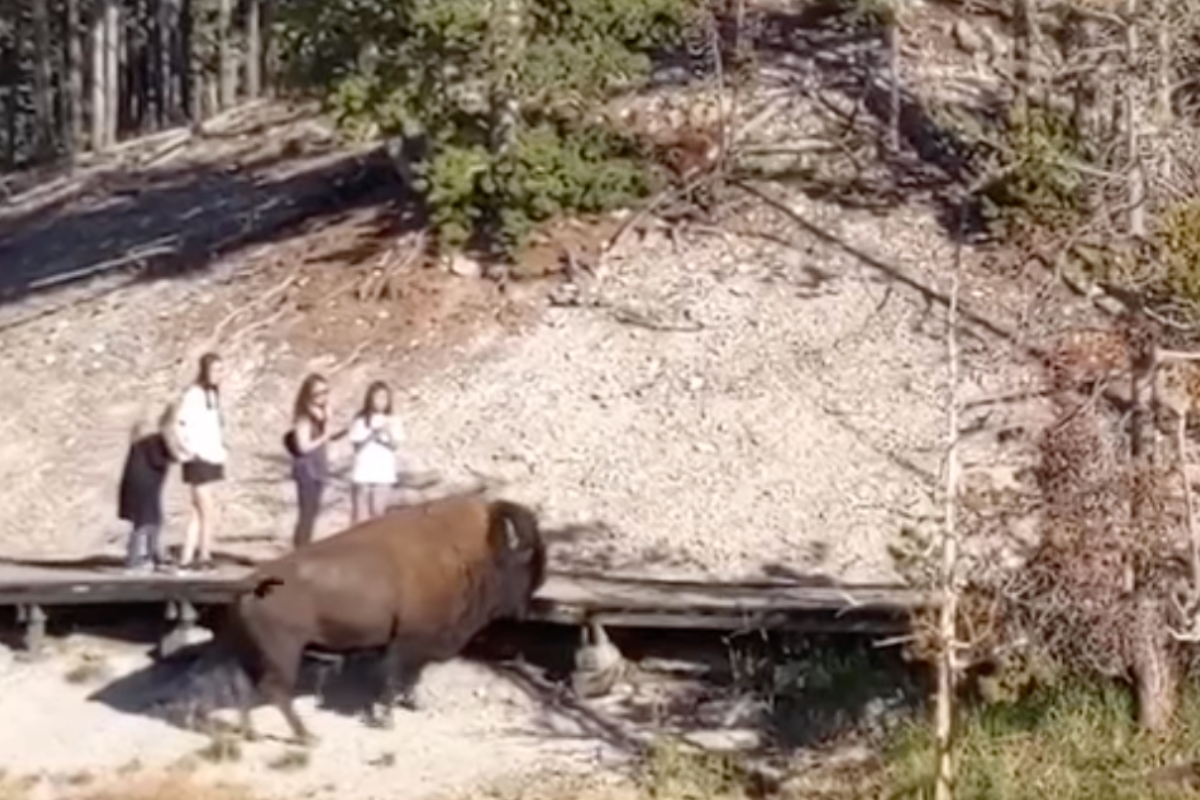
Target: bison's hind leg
x=281 y=656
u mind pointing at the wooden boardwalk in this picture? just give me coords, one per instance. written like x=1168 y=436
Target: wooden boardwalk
x=565 y=598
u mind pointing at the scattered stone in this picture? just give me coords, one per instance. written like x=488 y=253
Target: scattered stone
x=967 y=38
x=465 y=267
x=996 y=44
x=732 y=740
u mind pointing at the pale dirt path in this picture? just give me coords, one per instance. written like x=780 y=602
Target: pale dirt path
x=476 y=727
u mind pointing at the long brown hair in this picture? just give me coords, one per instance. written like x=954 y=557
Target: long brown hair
x=204 y=373
x=376 y=386
x=212 y=393
x=301 y=408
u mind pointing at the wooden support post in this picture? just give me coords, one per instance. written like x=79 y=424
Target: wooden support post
x=184 y=615
x=34 y=638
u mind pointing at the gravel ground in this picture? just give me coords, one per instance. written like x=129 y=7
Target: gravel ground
x=773 y=436
x=87 y=713
x=476 y=726
x=792 y=422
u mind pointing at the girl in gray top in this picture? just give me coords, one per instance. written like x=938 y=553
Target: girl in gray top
x=307 y=442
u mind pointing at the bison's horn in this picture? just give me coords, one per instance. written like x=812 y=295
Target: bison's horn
x=510 y=531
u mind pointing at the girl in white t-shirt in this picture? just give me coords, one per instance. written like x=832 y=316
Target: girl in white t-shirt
x=200 y=434
x=376 y=436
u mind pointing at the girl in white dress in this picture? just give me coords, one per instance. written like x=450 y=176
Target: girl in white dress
x=376 y=436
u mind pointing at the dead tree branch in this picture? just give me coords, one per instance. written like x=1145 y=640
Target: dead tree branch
x=947 y=660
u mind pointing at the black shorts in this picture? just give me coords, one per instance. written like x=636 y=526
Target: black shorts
x=197 y=472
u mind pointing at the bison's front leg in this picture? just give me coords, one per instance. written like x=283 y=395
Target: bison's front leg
x=246 y=723
x=397 y=681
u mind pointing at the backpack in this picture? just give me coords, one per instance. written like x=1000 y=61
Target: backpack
x=290 y=445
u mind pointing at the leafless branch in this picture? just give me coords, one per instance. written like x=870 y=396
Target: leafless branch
x=948 y=571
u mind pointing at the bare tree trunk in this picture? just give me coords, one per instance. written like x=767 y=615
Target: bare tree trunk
x=174 y=37
x=127 y=68
x=507 y=20
x=226 y=66
x=1165 y=45
x=12 y=74
x=212 y=97
x=253 y=50
x=1153 y=670
x=270 y=69
x=112 y=70
x=194 y=83
x=1023 y=49
x=1150 y=655
x=892 y=32
x=161 y=46
x=1136 y=217
x=43 y=101
x=99 y=93
x=73 y=108
x=1091 y=95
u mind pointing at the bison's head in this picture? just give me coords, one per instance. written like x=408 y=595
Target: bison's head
x=520 y=555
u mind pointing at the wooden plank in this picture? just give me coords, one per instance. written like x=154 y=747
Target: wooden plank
x=565 y=598
x=598 y=592
x=803 y=622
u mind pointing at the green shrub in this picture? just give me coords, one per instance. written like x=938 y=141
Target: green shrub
x=1178 y=236
x=433 y=71
x=673 y=772
x=1037 y=183
x=552 y=170
x=1069 y=741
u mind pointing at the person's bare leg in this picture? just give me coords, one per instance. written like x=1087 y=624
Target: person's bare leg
x=191 y=536
x=356 y=503
x=207 y=509
x=379 y=498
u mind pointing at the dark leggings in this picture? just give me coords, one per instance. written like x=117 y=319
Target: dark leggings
x=143 y=545
x=308 y=496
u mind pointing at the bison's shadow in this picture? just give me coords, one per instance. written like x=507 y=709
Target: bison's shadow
x=197 y=680
x=537 y=659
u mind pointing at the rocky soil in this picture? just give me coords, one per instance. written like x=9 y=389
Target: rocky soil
x=84 y=719
x=764 y=394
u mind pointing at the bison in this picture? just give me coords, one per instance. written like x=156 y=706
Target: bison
x=417 y=584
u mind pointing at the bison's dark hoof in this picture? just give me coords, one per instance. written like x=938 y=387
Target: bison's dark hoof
x=307 y=739
x=409 y=703
x=379 y=718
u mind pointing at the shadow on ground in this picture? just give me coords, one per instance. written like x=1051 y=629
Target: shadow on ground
x=755 y=693
x=168 y=222
x=830 y=47
x=177 y=222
